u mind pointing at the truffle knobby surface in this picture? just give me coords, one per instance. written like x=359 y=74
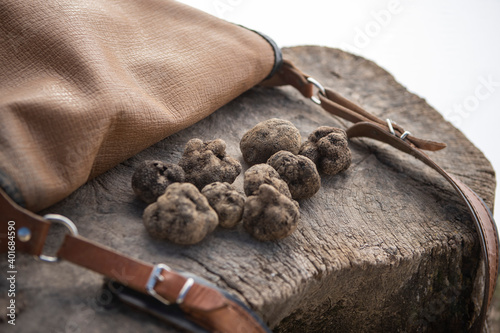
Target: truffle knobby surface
x=207 y=162
x=182 y=215
x=264 y=174
x=270 y=215
x=298 y=172
x=151 y=178
x=328 y=148
x=226 y=201
x=267 y=138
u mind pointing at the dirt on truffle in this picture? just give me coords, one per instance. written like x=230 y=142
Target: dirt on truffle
x=298 y=172
x=182 y=215
x=267 y=138
x=264 y=174
x=207 y=162
x=270 y=215
x=328 y=148
x=226 y=201
x=151 y=178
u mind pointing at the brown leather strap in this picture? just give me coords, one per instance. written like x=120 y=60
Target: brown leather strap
x=208 y=307
x=338 y=105
x=481 y=216
x=135 y=274
x=39 y=228
x=288 y=74
x=204 y=305
x=368 y=125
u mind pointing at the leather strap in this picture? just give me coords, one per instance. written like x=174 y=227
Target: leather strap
x=370 y=126
x=204 y=305
x=23 y=218
x=170 y=314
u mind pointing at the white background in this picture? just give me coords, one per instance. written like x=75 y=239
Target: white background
x=447 y=52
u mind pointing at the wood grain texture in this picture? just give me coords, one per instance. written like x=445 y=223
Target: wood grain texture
x=384 y=246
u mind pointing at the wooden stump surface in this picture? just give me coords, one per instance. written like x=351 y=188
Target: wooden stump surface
x=384 y=246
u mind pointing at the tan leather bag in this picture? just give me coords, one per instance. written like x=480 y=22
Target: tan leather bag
x=85 y=84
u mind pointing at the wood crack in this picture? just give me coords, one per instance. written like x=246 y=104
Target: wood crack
x=229 y=285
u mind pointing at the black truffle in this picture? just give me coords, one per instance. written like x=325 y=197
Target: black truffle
x=328 y=148
x=267 y=138
x=270 y=215
x=264 y=174
x=207 y=162
x=226 y=201
x=298 y=172
x=182 y=215
x=151 y=179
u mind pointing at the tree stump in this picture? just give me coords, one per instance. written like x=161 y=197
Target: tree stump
x=385 y=246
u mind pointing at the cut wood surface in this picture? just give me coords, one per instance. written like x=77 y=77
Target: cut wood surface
x=384 y=246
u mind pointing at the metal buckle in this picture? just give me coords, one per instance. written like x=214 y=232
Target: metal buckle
x=389 y=124
x=391 y=130
x=404 y=135
x=156 y=275
x=153 y=278
x=185 y=289
x=64 y=221
x=320 y=88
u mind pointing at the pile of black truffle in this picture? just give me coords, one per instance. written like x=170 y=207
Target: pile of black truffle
x=188 y=200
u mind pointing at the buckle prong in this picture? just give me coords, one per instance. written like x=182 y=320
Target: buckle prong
x=391 y=130
x=156 y=275
x=153 y=278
